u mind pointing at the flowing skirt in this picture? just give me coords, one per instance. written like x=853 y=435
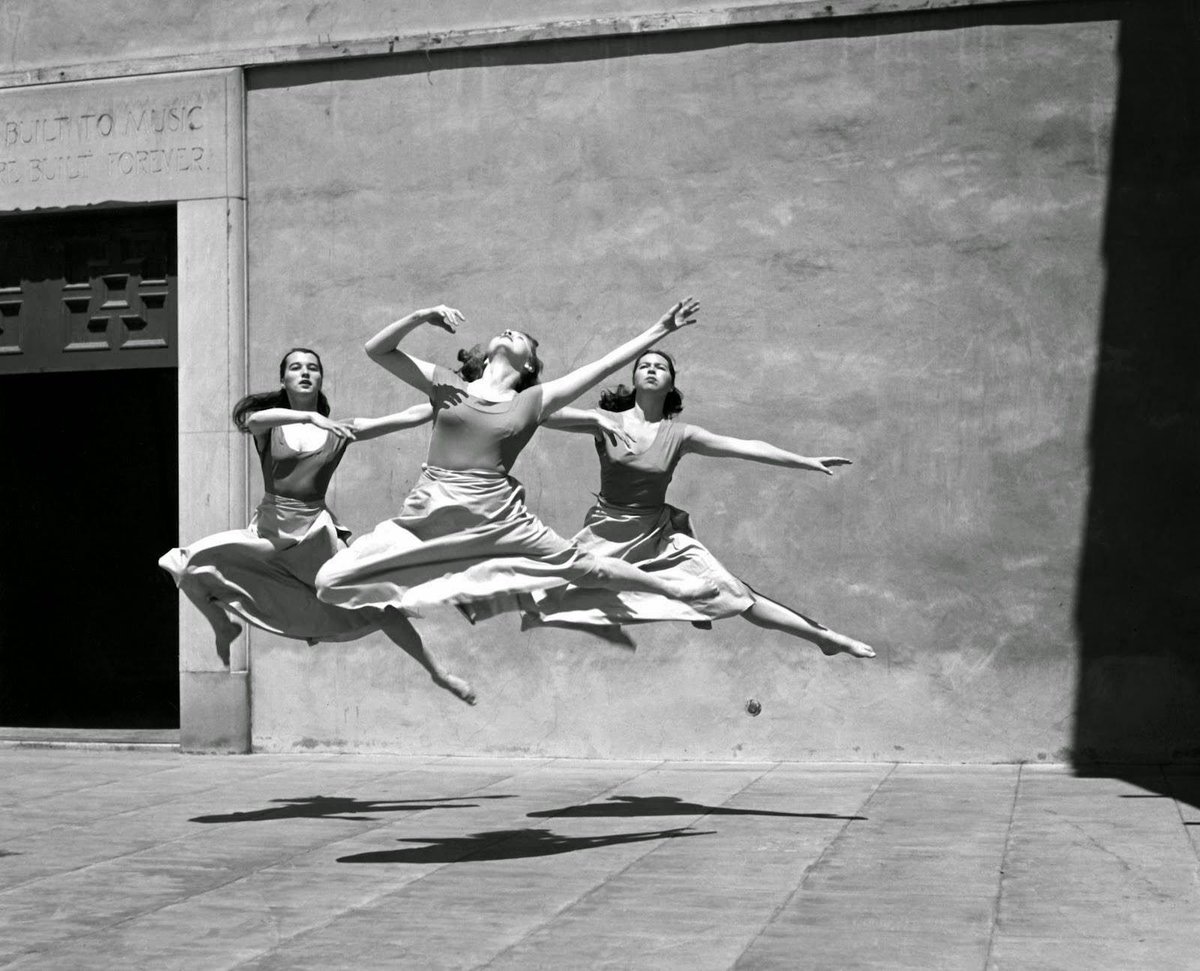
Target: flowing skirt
x=266 y=574
x=658 y=540
x=462 y=537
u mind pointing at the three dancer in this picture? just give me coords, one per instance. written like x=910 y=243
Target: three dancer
x=265 y=574
x=633 y=521
x=464 y=535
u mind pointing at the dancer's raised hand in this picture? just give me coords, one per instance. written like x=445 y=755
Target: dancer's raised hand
x=562 y=391
x=683 y=314
x=342 y=429
x=444 y=317
x=613 y=430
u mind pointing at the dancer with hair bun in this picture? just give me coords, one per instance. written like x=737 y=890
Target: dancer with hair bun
x=265 y=574
x=633 y=521
x=464 y=534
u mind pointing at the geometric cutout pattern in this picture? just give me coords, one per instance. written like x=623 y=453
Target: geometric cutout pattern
x=10 y=322
x=88 y=290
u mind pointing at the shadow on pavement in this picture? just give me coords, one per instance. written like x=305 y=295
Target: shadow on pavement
x=340 y=807
x=506 y=844
x=620 y=806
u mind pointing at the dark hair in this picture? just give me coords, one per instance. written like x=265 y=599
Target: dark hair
x=621 y=399
x=278 y=398
x=473 y=360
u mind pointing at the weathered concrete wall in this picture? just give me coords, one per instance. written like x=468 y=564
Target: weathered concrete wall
x=895 y=227
x=56 y=40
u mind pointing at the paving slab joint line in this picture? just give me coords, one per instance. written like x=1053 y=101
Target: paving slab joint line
x=632 y=863
x=15 y=743
x=815 y=863
x=1012 y=815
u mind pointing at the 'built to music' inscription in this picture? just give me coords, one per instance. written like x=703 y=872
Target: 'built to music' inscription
x=136 y=139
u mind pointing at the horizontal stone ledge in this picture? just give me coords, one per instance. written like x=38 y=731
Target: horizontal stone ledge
x=733 y=15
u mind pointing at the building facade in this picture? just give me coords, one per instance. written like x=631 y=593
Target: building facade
x=918 y=231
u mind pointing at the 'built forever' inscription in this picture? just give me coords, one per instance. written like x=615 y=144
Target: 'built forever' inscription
x=136 y=139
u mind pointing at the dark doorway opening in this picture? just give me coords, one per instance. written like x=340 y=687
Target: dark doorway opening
x=88 y=622
x=89 y=499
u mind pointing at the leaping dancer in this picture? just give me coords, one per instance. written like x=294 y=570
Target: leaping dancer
x=634 y=522
x=265 y=574
x=464 y=534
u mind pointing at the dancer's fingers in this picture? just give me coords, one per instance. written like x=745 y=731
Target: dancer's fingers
x=447 y=318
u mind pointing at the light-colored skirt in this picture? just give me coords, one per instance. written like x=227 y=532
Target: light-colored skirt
x=659 y=540
x=462 y=537
x=266 y=574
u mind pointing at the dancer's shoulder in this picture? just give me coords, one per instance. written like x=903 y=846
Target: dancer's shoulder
x=444 y=376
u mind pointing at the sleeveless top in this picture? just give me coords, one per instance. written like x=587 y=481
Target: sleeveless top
x=470 y=433
x=295 y=474
x=641 y=478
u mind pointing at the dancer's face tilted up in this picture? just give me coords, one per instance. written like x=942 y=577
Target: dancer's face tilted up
x=653 y=373
x=302 y=375
x=519 y=348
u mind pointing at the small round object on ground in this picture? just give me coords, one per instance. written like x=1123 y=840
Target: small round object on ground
x=753 y=707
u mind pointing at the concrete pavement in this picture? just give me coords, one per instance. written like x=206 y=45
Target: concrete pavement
x=149 y=859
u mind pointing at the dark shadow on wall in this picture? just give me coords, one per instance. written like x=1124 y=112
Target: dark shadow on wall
x=1138 y=598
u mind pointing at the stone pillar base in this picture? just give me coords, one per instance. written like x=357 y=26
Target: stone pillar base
x=214 y=712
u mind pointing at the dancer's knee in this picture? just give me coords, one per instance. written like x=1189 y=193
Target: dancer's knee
x=599 y=570
x=604 y=570
x=329 y=577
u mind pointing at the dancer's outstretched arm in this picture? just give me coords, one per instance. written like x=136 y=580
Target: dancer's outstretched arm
x=564 y=390
x=383 y=350
x=268 y=418
x=368 y=428
x=703 y=442
x=594 y=423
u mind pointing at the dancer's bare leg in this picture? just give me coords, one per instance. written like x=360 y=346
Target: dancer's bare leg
x=225 y=630
x=405 y=636
x=613 y=574
x=773 y=616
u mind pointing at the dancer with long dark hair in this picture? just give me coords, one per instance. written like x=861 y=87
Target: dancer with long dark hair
x=633 y=521
x=265 y=574
x=464 y=534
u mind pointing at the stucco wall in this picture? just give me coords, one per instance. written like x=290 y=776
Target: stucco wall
x=895 y=228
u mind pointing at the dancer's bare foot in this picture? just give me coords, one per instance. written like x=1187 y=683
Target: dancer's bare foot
x=457 y=687
x=835 y=643
x=693 y=589
x=226 y=633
